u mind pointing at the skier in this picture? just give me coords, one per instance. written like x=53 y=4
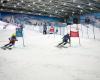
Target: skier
x=66 y=39
x=44 y=28
x=12 y=40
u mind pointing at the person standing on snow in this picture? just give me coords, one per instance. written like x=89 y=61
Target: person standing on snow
x=44 y=28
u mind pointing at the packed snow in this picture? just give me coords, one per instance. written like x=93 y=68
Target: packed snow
x=40 y=59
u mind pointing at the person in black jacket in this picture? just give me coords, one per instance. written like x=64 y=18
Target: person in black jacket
x=44 y=28
x=66 y=39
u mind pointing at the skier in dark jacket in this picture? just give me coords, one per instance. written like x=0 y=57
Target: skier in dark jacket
x=66 y=39
x=12 y=41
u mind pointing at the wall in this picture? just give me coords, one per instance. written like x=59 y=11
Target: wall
x=93 y=17
x=26 y=18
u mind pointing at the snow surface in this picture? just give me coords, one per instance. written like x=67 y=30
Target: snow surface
x=40 y=59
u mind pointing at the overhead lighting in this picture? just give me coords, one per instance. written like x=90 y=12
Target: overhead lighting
x=39 y=13
x=74 y=0
x=1 y=1
x=64 y=4
x=89 y=4
x=29 y=12
x=73 y=12
x=79 y=6
x=56 y=6
x=33 y=2
x=50 y=1
x=56 y=11
x=81 y=10
x=44 y=10
x=8 y=0
x=14 y=6
x=22 y=1
x=91 y=8
x=21 y=11
x=18 y=3
x=50 y=15
x=62 y=10
x=29 y=5
x=49 y=8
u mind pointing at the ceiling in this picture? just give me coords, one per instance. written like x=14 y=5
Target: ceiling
x=56 y=8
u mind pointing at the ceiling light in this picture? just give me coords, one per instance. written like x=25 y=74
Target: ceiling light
x=17 y=3
x=91 y=8
x=50 y=1
x=50 y=15
x=62 y=10
x=79 y=6
x=81 y=10
x=74 y=0
x=21 y=11
x=49 y=8
x=14 y=6
x=56 y=11
x=56 y=6
x=73 y=12
x=89 y=4
x=64 y=4
x=22 y=1
x=29 y=5
x=33 y=2
x=1 y=1
x=39 y=13
x=29 y=12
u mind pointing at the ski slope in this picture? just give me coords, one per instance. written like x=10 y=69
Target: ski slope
x=40 y=59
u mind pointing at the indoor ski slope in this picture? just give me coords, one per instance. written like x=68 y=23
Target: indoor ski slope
x=40 y=59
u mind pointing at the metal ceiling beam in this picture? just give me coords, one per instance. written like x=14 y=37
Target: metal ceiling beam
x=55 y=7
